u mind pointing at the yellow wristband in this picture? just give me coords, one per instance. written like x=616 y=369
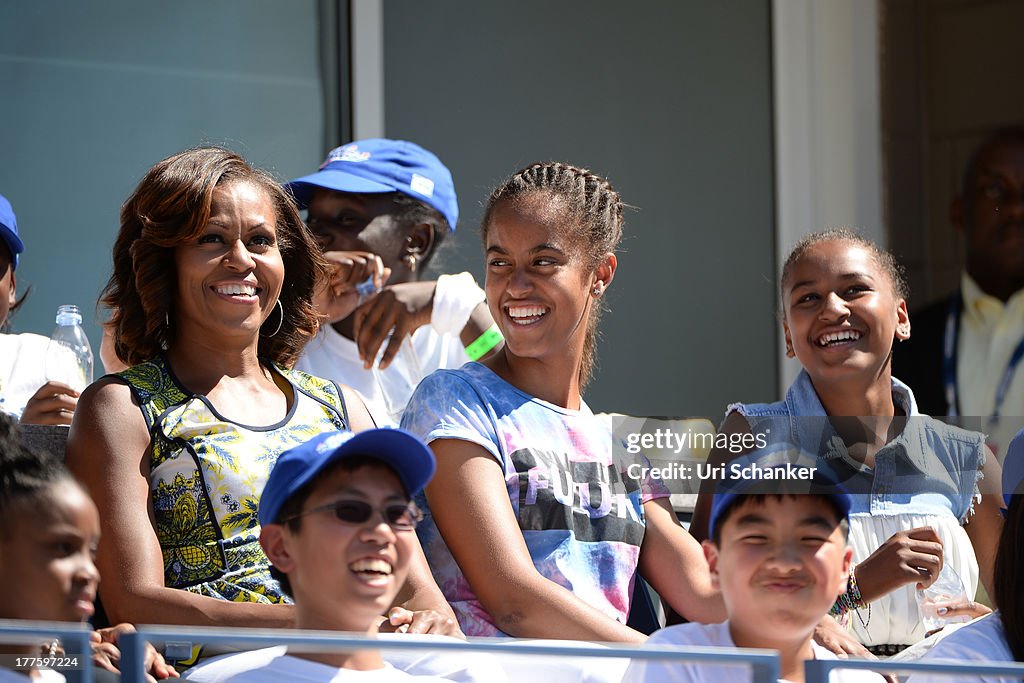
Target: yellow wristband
x=484 y=343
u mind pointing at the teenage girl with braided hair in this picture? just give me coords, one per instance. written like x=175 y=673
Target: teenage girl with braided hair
x=531 y=529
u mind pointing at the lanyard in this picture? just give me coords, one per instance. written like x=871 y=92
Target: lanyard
x=949 y=361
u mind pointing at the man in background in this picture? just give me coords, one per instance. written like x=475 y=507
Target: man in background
x=965 y=353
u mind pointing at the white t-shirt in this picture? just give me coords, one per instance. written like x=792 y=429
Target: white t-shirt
x=436 y=346
x=714 y=635
x=274 y=665
x=982 y=641
x=22 y=369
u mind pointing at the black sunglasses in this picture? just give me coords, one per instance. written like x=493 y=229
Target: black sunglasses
x=399 y=516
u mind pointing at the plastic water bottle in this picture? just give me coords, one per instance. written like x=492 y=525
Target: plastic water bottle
x=69 y=355
x=948 y=590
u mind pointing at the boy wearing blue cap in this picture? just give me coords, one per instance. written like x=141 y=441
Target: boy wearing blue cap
x=779 y=555
x=338 y=524
x=25 y=392
x=379 y=209
x=10 y=246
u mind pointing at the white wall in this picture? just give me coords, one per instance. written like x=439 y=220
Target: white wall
x=670 y=100
x=828 y=156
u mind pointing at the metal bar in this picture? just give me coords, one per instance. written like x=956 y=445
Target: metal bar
x=764 y=663
x=818 y=670
x=75 y=637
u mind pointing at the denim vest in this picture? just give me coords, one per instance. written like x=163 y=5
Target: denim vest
x=929 y=468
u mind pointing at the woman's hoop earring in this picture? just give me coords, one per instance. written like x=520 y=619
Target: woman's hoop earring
x=280 y=321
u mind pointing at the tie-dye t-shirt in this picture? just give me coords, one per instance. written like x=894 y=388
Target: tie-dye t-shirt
x=580 y=514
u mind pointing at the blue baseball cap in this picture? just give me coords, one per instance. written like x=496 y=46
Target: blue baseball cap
x=1013 y=468
x=378 y=165
x=9 y=231
x=778 y=479
x=404 y=453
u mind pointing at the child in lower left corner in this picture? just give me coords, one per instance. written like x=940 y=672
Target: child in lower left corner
x=780 y=559
x=49 y=530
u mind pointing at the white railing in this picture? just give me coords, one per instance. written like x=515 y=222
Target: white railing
x=764 y=664
x=817 y=671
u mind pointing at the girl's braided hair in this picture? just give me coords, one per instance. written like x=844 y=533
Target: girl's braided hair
x=592 y=219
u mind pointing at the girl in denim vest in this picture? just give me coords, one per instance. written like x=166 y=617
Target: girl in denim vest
x=926 y=494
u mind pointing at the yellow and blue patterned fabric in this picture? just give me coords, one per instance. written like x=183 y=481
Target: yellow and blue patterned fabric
x=207 y=473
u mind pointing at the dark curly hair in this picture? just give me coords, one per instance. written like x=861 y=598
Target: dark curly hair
x=593 y=223
x=25 y=474
x=171 y=206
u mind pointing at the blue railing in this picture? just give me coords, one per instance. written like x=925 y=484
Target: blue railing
x=817 y=671
x=764 y=664
x=75 y=638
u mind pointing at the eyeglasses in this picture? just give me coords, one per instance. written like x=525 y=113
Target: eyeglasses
x=399 y=516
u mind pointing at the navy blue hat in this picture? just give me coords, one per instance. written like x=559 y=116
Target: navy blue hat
x=407 y=455
x=379 y=165
x=9 y=231
x=1013 y=468
x=775 y=478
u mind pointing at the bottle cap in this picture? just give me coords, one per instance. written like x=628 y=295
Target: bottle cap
x=68 y=314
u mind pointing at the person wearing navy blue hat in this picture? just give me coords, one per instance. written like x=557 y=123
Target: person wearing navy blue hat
x=758 y=477
x=380 y=209
x=299 y=468
x=778 y=553
x=25 y=392
x=9 y=231
x=10 y=246
x=338 y=523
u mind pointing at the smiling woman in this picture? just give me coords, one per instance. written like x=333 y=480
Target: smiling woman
x=211 y=296
x=233 y=272
x=532 y=528
x=195 y=198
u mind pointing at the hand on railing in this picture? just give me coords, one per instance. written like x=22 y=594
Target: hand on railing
x=106 y=655
x=401 y=620
x=833 y=637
